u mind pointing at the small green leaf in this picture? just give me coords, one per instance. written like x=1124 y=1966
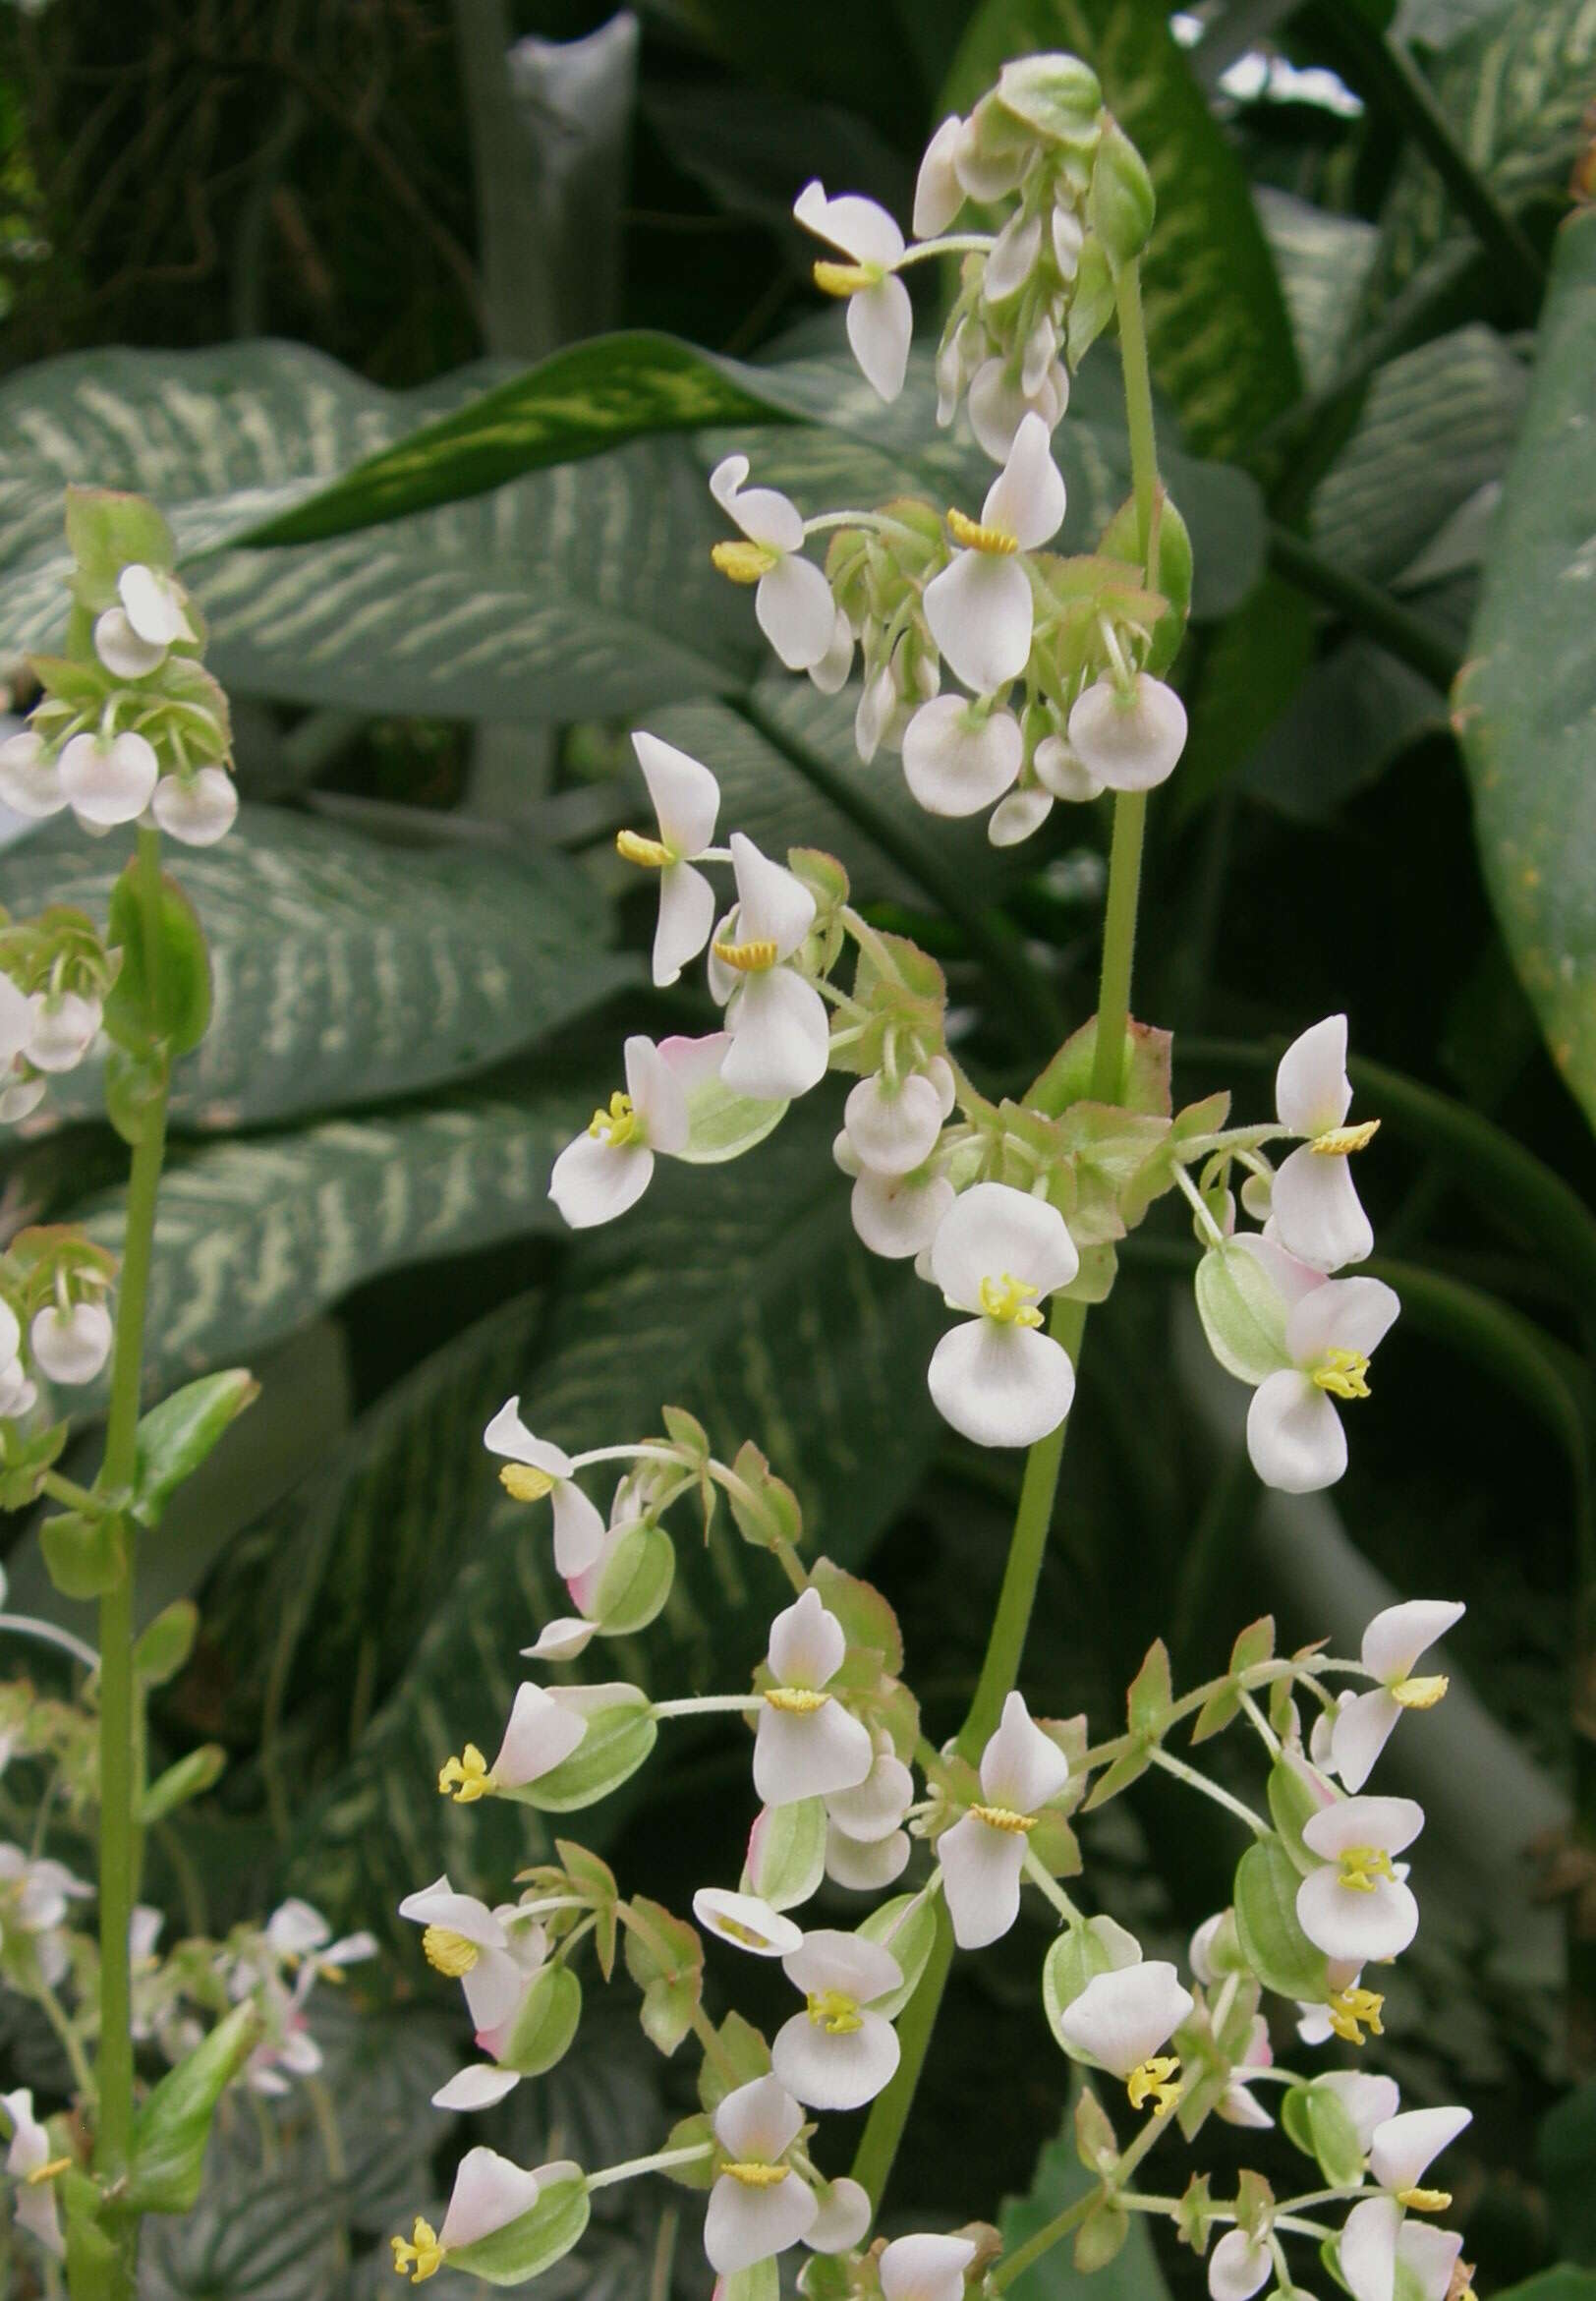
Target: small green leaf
x=167 y=1007
x=170 y=2131
x=617 y=1742
x=85 y=1557
x=175 y=1437
x=1151 y=1691
x=1272 y=1944
x=786 y=1854
x=162 y=1648
x=868 y=1621
x=546 y=2022
x=1099 y=2237
x=745 y=2054
x=909 y=1939
x=1119 y=1776
x=533 y=2241
x=1243 y=1315
x=188 y=1778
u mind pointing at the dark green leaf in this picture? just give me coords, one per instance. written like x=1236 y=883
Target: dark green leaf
x=170 y=2131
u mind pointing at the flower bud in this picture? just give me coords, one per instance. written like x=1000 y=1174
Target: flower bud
x=1122 y=201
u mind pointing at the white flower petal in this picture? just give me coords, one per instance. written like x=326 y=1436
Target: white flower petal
x=1367 y=2100
x=1014 y=820
x=895 y=1132
x=924 y=2267
x=860 y=227
x=478 y=2087
x=1367 y=2253
x=1294 y=1435
x=541 y=1735
x=835 y=2072
x=1120 y=2018
x=956 y=764
x=746 y=1921
x=595 y=1180
x=831 y=1958
x=152 y=606
x=842 y=2219
x=1359 y=1926
x=794 y=608
x=1000 y=1385
x=807 y=1645
x=685 y=923
x=880 y=329
x=72 y=1347
x=439 y=1904
x=780 y=1038
x=774 y=905
x=507 y=1435
x=29 y=780
x=1431 y=2254
x=765 y=515
x=1238 y=2267
x=1013 y=257
x=685 y=794
x=120 y=649
x=1350 y=1314
x=756 y=2122
x=1027 y=499
x=1363 y=1726
x=561 y=1640
x=865 y=1865
x=980 y=614
x=993 y=1231
x=830 y=673
x=811 y=1756
x=1061 y=769
x=61 y=1029
x=657 y=1095
x=198 y=809
x=746 y=2225
x=108 y=782
x=1021 y=1767
x=1402 y=2149
x=1068 y=239
x=897 y=1215
x=1312 y=1091
x=938 y=193
x=19 y=1020
x=488 y=2192
x=980 y=1871
x=1317 y=1212
x=1392 y=1823
x=876 y=1807
x=1130 y=741
x=1289 y=1277
x=998 y=404
x=1398 y=1634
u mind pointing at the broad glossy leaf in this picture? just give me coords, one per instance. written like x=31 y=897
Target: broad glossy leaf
x=344 y=971
x=1321 y=259
x=1525 y=704
x=1221 y=339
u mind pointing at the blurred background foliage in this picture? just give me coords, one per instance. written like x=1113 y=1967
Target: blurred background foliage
x=248 y=246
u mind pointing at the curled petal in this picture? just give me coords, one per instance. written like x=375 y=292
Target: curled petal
x=1021 y=1767
x=860 y=227
x=1014 y=820
x=758 y=2122
x=938 y=193
x=198 y=809
x=686 y=921
x=1351 y=1314
x=780 y=1038
x=657 y=1095
x=1312 y=1091
x=488 y=2192
x=1122 y=2017
x=478 y=2087
x=865 y=1865
x=809 y=1756
x=686 y=796
x=1396 y=1637
x=842 y=2221
x=1403 y=2149
x=1026 y=500
x=774 y=905
x=1013 y=257
x=765 y=515
x=807 y=1645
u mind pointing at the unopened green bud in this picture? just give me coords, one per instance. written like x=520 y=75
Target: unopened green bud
x=1056 y=95
x=1122 y=201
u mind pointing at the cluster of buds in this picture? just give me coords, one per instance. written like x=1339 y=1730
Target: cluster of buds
x=53 y=1316
x=54 y=975
x=131 y=727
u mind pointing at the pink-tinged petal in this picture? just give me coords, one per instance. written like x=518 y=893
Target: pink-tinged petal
x=860 y=227
x=1367 y=2253
x=108 y=782
x=1238 y=2267
x=1294 y=1435
x=765 y=514
x=593 y=1180
x=830 y=1959
x=924 y=2267
x=1431 y=2254
x=686 y=921
x=1289 y=1277
x=1317 y=1211
x=1120 y=2018
x=657 y=1095
x=1367 y=2100
x=880 y=329
x=685 y=794
x=1396 y=1637
x=865 y=1865
x=757 y=2123
x=995 y=1229
x=1237 y=2105
x=807 y=1644
x=1130 y=741
x=1359 y=1926
x=1312 y=1091
x=439 y=1904
x=896 y=1215
x=198 y=809
x=980 y=1871
x=894 y=1130
x=842 y=2219
x=774 y=905
x=794 y=608
x=1027 y=499
x=980 y=615
x=478 y=2087
x=1363 y=1726
x=877 y=1806
x=955 y=764
x=541 y=1735
x=1392 y=1823
x=579 y=1531
x=1013 y=257
x=561 y=1640
x=1000 y=1385
x=507 y=1435
x=835 y=2072
x=1021 y=1767
x=938 y=193
x=780 y=1038
x=1404 y=2148
x=809 y=1756
x=1349 y=1314
x=746 y=2225
x=488 y=2192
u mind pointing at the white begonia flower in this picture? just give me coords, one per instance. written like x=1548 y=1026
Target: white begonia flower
x=898 y=1215
x=686 y=803
x=108 y=782
x=1315 y=1208
x=19 y=1020
x=780 y=1037
x=71 y=1345
x=1129 y=737
x=1000 y=403
x=838 y=2052
x=479 y=2085
x=1392 y=1644
x=1120 y=2019
x=1239 y=2266
x=1376 y=2234
x=938 y=193
x=1062 y=771
x=865 y=1865
x=195 y=809
x=792 y=601
x=842 y=2218
x=1402 y=2149
x=489 y=1952
x=880 y=318
x=605 y=1171
x=1014 y=820
x=997 y=1378
x=121 y=649
x=545 y=1725
x=806 y=1745
x=867 y=1846
x=300 y=1935
x=924 y=2267
x=980 y=608
x=30 y=777
x=958 y=758
x=983 y=1855
x=832 y=673
x=535 y=1469
x=894 y=1127
x=746 y=1921
x=65 y=1026
x=759 y=2205
x=1385 y=2240
x=34 y=1895
x=31 y=2165
x=1333 y=1328
x=1355 y=1906
x=490 y=2192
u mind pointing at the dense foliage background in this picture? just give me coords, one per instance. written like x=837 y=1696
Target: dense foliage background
x=245 y=246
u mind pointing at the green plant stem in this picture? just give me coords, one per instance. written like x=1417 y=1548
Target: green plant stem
x=1144 y=461
x=1408 y=637
x=1072 y=2216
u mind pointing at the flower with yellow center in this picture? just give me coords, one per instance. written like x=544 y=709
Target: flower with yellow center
x=983 y=1856
x=1392 y=1645
x=997 y=1378
x=607 y=1170
x=34 y=2166
x=841 y=2049
x=1330 y=1330
x=1315 y=1210
x=1377 y=2238
x=686 y=803
x=880 y=321
x=1350 y=2011
x=806 y=1745
x=533 y=1468
x=1353 y=1905
x=1119 y=2022
x=745 y=1921
x=781 y=1034
x=792 y=601
x=980 y=608
x=490 y=2193
x=759 y=2205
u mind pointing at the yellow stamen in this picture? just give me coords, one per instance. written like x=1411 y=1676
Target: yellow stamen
x=845 y=279
x=524 y=1483
x=976 y=538
x=50 y=2173
x=1152 y=2081
x=1424 y=2201
x=1361 y=1866
x=1337 y=1142
x=619 y=1124
x=651 y=853
x=1352 y=2010
x=1343 y=1373
x=799 y=1701
x=1419 y=1692
x=448 y=1952
x=747 y=959
x=1001 y=1817
x=418 y=2257
x=467 y=1776
x=743 y=561
x=836 y=2012
x=1010 y=1301
x=755 y=2176
x=748 y=1935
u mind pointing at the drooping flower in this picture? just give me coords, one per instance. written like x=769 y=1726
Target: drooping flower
x=686 y=803
x=300 y=1936
x=195 y=809
x=759 y=2205
x=65 y=1025
x=491 y=1953
x=924 y=2267
x=535 y=1469
x=843 y=2218
x=1376 y=2234
x=1238 y=2104
x=793 y=603
x=490 y=2192
x=30 y=2164
x=35 y=1892
x=881 y=318
x=997 y=1378
x=132 y=638
x=1355 y=1906
x=780 y=1038
x=71 y=1345
x=1333 y=1328
x=108 y=781
x=545 y=1726
x=980 y=608
x=607 y=1170
x=482 y=2083
x=745 y=1921
x=1239 y=2266
x=1129 y=735
x=1392 y=1644
x=893 y=1124
x=1120 y=2019
x=839 y=2051
x=958 y=758
x=1316 y=1211
x=806 y=1745
x=866 y=1843
x=30 y=775
x=938 y=193
x=983 y=1855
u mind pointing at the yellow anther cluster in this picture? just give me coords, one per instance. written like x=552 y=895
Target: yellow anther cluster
x=619 y=1124
x=1153 y=2081
x=465 y=1777
x=836 y=2012
x=1337 y=1142
x=651 y=853
x=1351 y=2011
x=747 y=959
x=845 y=279
x=420 y=2256
x=974 y=537
x=448 y=1952
x=524 y=1483
x=1362 y=1866
x=1010 y=1301
x=1424 y=2201
x=1343 y=1373
x=1419 y=1692
x=799 y=1701
x=743 y=561
x=1003 y=1818
x=753 y=2176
